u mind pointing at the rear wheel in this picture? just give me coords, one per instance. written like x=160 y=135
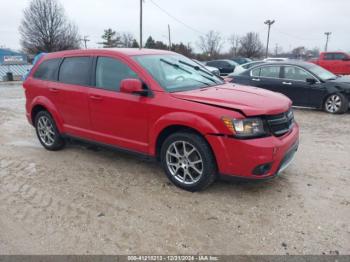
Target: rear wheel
x=47 y=132
x=336 y=104
x=188 y=161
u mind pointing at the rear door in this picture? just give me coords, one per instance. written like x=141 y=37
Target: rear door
x=117 y=118
x=342 y=67
x=267 y=77
x=70 y=93
x=328 y=62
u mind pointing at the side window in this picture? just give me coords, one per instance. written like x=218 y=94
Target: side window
x=339 y=56
x=296 y=73
x=76 y=71
x=329 y=56
x=47 y=70
x=270 y=71
x=214 y=64
x=256 y=72
x=110 y=72
x=225 y=64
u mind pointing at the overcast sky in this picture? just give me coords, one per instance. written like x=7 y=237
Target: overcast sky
x=298 y=22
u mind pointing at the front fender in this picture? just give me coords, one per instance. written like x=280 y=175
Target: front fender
x=51 y=108
x=189 y=120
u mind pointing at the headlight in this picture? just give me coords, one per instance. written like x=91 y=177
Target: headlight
x=245 y=128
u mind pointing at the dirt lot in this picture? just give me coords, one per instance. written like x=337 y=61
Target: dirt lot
x=84 y=201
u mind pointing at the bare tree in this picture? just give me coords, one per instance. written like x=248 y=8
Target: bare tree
x=211 y=43
x=234 y=44
x=251 y=46
x=127 y=39
x=45 y=28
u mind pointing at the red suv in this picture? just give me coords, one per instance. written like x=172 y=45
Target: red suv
x=163 y=105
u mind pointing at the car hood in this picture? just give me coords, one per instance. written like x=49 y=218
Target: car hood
x=251 y=101
x=341 y=79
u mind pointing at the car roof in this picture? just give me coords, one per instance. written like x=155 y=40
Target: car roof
x=120 y=51
x=289 y=62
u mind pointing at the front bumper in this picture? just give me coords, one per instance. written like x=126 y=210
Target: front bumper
x=239 y=158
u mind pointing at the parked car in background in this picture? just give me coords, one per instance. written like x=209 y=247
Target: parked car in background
x=239 y=69
x=276 y=59
x=211 y=69
x=241 y=60
x=225 y=66
x=336 y=62
x=196 y=125
x=306 y=84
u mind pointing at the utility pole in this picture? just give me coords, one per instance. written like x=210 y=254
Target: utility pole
x=169 y=37
x=269 y=23
x=141 y=2
x=327 y=35
x=85 y=40
x=276 y=50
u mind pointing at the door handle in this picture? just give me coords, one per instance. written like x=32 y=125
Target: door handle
x=95 y=97
x=256 y=79
x=53 y=90
x=287 y=83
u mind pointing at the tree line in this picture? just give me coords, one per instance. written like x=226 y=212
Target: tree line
x=46 y=28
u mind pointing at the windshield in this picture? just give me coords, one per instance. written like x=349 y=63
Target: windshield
x=322 y=73
x=177 y=73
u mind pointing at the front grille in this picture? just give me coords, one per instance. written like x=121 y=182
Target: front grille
x=281 y=124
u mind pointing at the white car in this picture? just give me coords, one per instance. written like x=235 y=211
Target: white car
x=276 y=59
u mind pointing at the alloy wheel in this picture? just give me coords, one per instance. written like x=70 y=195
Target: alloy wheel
x=46 y=131
x=184 y=162
x=333 y=104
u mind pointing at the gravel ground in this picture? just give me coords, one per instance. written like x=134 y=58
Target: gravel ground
x=84 y=200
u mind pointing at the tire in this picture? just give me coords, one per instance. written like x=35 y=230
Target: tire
x=193 y=171
x=47 y=132
x=336 y=104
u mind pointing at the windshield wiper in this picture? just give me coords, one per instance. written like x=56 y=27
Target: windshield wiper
x=175 y=65
x=198 y=68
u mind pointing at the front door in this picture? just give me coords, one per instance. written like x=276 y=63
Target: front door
x=298 y=89
x=118 y=118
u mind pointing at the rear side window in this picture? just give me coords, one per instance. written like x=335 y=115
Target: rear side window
x=76 y=71
x=47 y=70
x=329 y=56
x=110 y=72
x=270 y=71
x=214 y=64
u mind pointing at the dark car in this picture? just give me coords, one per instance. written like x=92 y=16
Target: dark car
x=241 y=60
x=306 y=84
x=225 y=66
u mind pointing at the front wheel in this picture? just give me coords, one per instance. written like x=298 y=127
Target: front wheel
x=336 y=104
x=188 y=161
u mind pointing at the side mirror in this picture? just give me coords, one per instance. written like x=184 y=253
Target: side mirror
x=311 y=81
x=132 y=86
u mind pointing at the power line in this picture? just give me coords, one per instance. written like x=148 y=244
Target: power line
x=176 y=19
x=296 y=37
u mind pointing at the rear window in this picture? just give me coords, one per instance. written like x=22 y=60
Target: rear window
x=47 y=70
x=76 y=71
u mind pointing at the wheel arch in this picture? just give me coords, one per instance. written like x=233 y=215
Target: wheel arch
x=42 y=103
x=177 y=122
